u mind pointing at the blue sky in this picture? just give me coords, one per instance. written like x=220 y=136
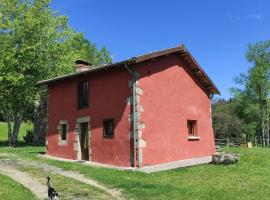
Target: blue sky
x=216 y=32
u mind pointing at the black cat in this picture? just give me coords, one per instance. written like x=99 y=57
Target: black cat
x=52 y=194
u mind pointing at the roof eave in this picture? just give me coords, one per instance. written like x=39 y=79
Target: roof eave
x=213 y=89
x=181 y=49
x=48 y=81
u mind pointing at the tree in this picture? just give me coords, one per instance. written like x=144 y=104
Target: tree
x=35 y=44
x=257 y=83
x=248 y=111
x=225 y=121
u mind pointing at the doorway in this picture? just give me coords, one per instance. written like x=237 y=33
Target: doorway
x=84 y=141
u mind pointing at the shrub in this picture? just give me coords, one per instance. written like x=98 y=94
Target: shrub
x=29 y=137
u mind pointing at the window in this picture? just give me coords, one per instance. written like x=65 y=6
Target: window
x=108 y=128
x=63 y=132
x=192 y=127
x=83 y=94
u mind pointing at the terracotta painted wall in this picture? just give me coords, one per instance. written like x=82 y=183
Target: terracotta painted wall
x=108 y=92
x=171 y=97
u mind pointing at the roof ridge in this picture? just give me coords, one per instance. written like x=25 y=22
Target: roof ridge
x=165 y=49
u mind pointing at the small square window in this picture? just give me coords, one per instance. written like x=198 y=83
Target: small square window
x=63 y=132
x=108 y=128
x=192 y=127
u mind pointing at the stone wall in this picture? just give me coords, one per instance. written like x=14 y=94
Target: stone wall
x=140 y=125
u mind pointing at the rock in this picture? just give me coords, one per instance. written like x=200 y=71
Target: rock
x=225 y=158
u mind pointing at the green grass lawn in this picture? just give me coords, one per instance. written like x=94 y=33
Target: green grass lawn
x=248 y=179
x=11 y=190
x=4 y=131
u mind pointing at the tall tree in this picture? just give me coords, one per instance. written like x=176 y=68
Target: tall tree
x=35 y=44
x=225 y=121
x=257 y=83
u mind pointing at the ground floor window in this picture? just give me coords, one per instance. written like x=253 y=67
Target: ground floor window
x=108 y=128
x=192 y=127
x=63 y=132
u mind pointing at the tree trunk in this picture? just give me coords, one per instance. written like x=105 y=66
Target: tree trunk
x=263 y=134
x=264 y=122
x=266 y=132
x=8 y=122
x=16 y=127
x=40 y=121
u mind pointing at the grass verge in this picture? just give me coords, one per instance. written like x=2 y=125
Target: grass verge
x=12 y=190
x=248 y=179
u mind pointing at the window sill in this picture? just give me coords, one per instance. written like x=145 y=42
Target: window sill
x=83 y=107
x=194 y=138
x=107 y=137
x=62 y=142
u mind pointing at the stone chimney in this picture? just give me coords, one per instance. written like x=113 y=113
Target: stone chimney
x=81 y=65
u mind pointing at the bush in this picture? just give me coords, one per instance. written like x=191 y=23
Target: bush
x=29 y=137
x=1 y=117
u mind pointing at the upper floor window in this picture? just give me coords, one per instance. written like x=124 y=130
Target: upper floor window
x=83 y=94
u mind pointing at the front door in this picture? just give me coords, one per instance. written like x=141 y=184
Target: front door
x=84 y=141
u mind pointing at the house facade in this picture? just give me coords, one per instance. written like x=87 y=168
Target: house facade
x=148 y=110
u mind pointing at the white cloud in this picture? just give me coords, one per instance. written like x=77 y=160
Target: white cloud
x=247 y=17
x=254 y=16
x=233 y=18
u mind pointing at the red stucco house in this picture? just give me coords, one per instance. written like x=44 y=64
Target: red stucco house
x=147 y=110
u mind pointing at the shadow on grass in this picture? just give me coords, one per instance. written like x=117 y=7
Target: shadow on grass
x=20 y=144
x=29 y=150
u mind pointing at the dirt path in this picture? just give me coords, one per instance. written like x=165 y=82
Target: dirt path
x=75 y=175
x=12 y=163
x=27 y=181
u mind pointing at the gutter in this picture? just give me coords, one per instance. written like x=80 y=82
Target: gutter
x=134 y=75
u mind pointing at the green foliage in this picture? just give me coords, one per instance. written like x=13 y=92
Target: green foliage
x=29 y=137
x=248 y=112
x=257 y=83
x=252 y=101
x=225 y=122
x=250 y=129
x=36 y=44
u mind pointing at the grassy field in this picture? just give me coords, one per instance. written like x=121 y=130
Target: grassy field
x=7 y=187
x=248 y=179
x=68 y=187
x=4 y=135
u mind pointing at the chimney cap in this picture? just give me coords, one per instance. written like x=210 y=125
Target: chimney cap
x=82 y=62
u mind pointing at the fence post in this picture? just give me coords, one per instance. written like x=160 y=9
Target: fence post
x=227 y=142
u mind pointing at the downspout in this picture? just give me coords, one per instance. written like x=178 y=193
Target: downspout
x=134 y=111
